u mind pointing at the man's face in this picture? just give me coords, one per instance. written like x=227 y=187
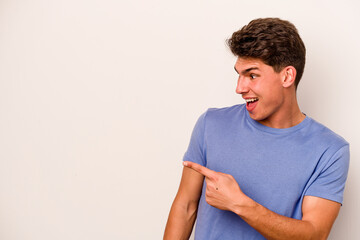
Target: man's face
x=262 y=88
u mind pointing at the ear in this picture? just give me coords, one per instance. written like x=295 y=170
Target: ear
x=288 y=75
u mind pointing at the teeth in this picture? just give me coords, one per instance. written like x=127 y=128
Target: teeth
x=249 y=100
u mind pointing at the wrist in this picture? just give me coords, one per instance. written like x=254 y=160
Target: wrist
x=245 y=206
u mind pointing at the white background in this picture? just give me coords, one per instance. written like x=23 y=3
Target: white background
x=98 y=100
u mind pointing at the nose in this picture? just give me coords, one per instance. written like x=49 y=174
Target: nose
x=242 y=86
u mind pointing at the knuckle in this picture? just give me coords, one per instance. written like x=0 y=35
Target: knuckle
x=208 y=193
x=228 y=176
x=215 y=177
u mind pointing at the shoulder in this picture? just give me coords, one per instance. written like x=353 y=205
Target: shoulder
x=324 y=135
x=222 y=119
x=330 y=145
x=215 y=117
x=225 y=113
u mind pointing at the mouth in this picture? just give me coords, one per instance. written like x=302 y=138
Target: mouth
x=251 y=103
x=251 y=100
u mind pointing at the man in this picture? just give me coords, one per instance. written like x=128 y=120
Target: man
x=270 y=171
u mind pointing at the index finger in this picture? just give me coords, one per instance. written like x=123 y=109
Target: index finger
x=200 y=169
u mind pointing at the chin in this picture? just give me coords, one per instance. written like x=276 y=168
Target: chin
x=256 y=117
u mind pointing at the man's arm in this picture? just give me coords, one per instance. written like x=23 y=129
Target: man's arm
x=184 y=208
x=318 y=217
x=223 y=192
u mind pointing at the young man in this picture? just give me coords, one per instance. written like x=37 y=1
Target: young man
x=270 y=171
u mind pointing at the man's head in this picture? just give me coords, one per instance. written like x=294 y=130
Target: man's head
x=274 y=41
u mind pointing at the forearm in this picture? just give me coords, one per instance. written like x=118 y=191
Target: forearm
x=274 y=226
x=181 y=221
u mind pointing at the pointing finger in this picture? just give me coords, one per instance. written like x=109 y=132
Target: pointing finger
x=200 y=169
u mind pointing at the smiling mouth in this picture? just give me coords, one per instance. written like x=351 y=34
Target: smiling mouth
x=249 y=101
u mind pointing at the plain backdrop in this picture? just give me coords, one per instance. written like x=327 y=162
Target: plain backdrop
x=98 y=99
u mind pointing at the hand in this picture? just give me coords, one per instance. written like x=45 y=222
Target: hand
x=222 y=190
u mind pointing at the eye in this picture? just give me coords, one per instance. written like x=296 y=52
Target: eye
x=252 y=76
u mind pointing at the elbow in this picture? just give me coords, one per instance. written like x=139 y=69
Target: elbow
x=188 y=208
x=191 y=208
x=319 y=236
x=316 y=233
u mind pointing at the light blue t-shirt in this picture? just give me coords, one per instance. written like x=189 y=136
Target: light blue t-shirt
x=274 y=167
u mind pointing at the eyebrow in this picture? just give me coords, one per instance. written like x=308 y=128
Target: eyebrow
x=247 y=70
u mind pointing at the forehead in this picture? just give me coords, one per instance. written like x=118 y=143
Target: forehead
x=243 y=64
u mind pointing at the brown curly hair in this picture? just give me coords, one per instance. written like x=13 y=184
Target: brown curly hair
x=276 y=42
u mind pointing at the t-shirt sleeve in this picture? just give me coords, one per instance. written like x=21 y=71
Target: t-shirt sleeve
x=330 y=182
x=196 y=149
